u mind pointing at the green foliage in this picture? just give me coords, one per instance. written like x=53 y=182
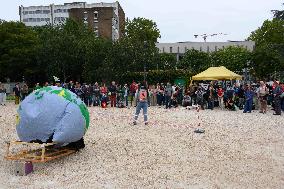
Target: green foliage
x=279 y=14
x=18 y=46
x=167 y=61
x=155 y=76
x=139 y=30
x=268 y=56
x=195 y=61
x=233 y=58
x=63 y=47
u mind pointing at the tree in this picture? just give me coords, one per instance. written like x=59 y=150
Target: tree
x=195 y=61
x=278 y=14
x=141 y=36
x=18 y=46
x=167 y=61
x=142 y=29
x=268 y=56
x=63 y=49
x=233 y=58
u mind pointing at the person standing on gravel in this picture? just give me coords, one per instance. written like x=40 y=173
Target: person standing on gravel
x=142 y=98
x=17 y=93
x=249 y=99
x=262 y=93
x=168 y=95
x=1 y=93
x=277 y=99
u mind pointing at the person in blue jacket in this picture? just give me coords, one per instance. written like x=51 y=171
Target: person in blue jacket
x=249 y=99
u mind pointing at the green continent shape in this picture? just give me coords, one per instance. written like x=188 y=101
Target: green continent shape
x=67 y=96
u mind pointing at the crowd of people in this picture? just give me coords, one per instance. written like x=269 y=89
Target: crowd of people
x=208 y=96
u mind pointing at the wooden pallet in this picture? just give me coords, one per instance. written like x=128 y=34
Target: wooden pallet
x=43 y=153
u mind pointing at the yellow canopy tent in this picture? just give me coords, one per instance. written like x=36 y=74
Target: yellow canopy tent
x=217 y=73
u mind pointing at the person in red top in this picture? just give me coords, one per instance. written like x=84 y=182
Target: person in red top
x=220 y=94
x=103 y=95
x=133 y=88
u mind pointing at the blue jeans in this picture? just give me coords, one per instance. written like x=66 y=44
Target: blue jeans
x=248 y=106
x=126 y=101
x=144 y=106
x=96 y=99
x=168 y=102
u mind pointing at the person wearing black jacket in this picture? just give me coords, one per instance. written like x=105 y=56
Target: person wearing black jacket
x=17 y=93
x=112 y=89
x=96 y=94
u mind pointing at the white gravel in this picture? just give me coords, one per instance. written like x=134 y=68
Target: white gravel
x=236 y=151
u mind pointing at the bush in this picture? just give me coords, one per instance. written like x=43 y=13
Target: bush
x=155 y=76
x=10 y=97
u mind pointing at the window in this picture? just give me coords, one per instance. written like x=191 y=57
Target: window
x=178 y=49
x=96 y=15
x=171 y=49
x=58 y=10
x=47 y=19
x=46 y=11
x=38 y=19
x=200 y=49
x=38 y=11
x=208 y=49
x=97 y=33
x=31 y=12
x=96 y=24
x=163 y=49
x=216 y=48
x=42 y=19
x=30 y=19
x=65 y=10
x=26 y=12
x=25 y=20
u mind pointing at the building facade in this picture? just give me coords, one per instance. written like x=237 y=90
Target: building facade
x=106 y=22
x=181 y=47
x=106 y=19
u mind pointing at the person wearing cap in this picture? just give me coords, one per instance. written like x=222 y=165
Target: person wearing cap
x=142 y=99
x=277 y=99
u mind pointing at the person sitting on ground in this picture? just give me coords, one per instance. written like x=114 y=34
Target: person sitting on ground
x=231 y=104
x=174 y=98
x=186 y=100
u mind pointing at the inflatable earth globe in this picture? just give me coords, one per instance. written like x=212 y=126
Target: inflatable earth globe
x=52 y=114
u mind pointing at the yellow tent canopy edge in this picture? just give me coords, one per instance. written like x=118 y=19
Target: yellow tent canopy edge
x=217 y=73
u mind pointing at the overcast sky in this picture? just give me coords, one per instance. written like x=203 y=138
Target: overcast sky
x=179 y=20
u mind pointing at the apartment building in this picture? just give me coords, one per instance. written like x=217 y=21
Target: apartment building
x=106 y=19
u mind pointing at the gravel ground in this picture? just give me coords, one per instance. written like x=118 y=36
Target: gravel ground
x=236 y=151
